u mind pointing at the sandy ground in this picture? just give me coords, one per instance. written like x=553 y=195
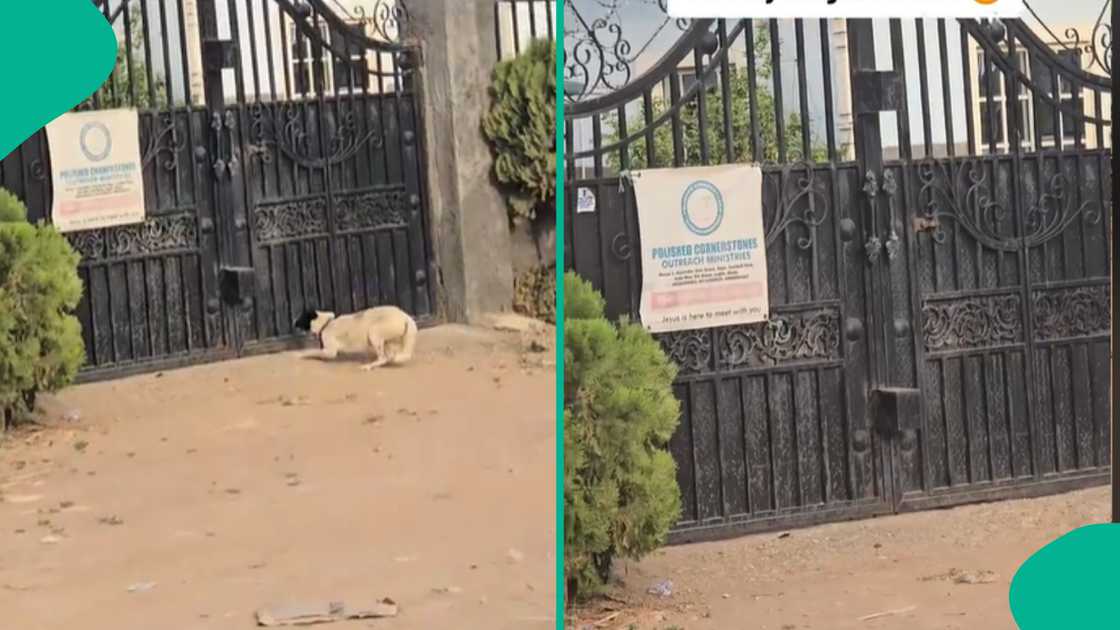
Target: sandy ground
x=945 y=570
x=188 y=500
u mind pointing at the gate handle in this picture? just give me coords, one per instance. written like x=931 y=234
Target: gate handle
x=893 y=245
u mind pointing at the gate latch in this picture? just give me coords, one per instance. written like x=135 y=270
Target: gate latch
x=219 y=53
x=238 y=284
x=925 y=224
x=895 y=409
x=876 y=91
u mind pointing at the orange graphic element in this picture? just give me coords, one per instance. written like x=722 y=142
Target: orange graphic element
x=986 y=1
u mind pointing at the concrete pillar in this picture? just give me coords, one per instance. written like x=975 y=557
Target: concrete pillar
x=470 y=223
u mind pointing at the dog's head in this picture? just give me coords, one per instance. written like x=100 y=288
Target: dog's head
x=312 y=321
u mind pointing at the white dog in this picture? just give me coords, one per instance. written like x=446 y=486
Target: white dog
x=385 y=332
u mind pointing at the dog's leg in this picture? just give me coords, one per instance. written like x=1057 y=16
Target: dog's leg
x=408 y=344
x=377 y=347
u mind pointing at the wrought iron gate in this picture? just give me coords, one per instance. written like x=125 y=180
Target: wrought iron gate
x=282 y=169
x=940 y=311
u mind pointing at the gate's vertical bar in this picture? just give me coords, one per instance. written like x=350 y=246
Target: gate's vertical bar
x=752 y=92
x=1015 y=137
x=413 y=150
x=869 y=157
x=1115 y=319
x=228 y=197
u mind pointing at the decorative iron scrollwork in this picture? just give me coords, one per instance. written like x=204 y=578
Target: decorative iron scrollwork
x=691 y=350
x=90 y=244
x=1054 y=211
x=962 y=193
x=1098 y=44
x=620 y=247
x=370 y=210
x=290 y=219
x=800 y=203
x=598 y=55
x=165 y=143
x=156 y=235
x=282 y=126
x=792 y=337
x=807 y=336
x=383 y=20
x=1071 y=312
x=973 y=322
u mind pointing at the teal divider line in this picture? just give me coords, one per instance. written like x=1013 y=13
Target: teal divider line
x=559 y=30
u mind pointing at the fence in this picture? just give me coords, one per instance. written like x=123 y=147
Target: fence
x=519 y=22
x=930 y=248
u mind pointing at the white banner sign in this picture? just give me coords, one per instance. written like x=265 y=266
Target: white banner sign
x=845 y=8
x=96 y=170
x=703 y=247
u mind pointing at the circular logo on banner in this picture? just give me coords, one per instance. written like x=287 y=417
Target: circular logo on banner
x=95 y=141
x=702 y=208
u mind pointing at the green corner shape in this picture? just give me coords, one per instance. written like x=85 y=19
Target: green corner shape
x=1071 y=584
x=53 y=55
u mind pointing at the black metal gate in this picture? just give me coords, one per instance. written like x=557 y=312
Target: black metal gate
x=282 y=170
x=940 y=310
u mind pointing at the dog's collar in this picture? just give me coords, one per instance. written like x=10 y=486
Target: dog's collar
x=324 y=331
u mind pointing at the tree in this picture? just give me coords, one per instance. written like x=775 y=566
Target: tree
x=130 y=74
x=741 y=132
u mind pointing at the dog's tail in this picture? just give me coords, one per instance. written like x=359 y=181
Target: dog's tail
x=408 y=342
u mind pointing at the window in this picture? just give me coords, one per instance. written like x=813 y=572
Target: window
x=313 y=61
x=1052 y=121
x=999 y=115
x=1038 y=119
x=352 y=75
x=688 y=81
x=307 y=70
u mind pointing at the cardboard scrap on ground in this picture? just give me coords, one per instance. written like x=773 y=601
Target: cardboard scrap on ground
x=306 y=615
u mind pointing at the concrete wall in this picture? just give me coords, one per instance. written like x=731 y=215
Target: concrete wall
x=471 y=232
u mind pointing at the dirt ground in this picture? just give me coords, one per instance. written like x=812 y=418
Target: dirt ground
x=187 y=500
x=945 y=570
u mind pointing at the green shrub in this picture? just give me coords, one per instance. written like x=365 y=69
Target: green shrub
x=521 y=128
x=41 y=344
x=620 y=488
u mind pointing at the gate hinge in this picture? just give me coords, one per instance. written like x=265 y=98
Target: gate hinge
x=895 y=409
x=876 y=91
x=411 y=58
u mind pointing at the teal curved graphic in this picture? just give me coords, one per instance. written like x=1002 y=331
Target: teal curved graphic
x=1071 y=583
x=52 y=56
x=686 y=210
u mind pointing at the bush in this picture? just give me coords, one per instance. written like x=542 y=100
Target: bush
x=521 y=127
x=620 y=488
x=534 y=293
x=41 y=344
